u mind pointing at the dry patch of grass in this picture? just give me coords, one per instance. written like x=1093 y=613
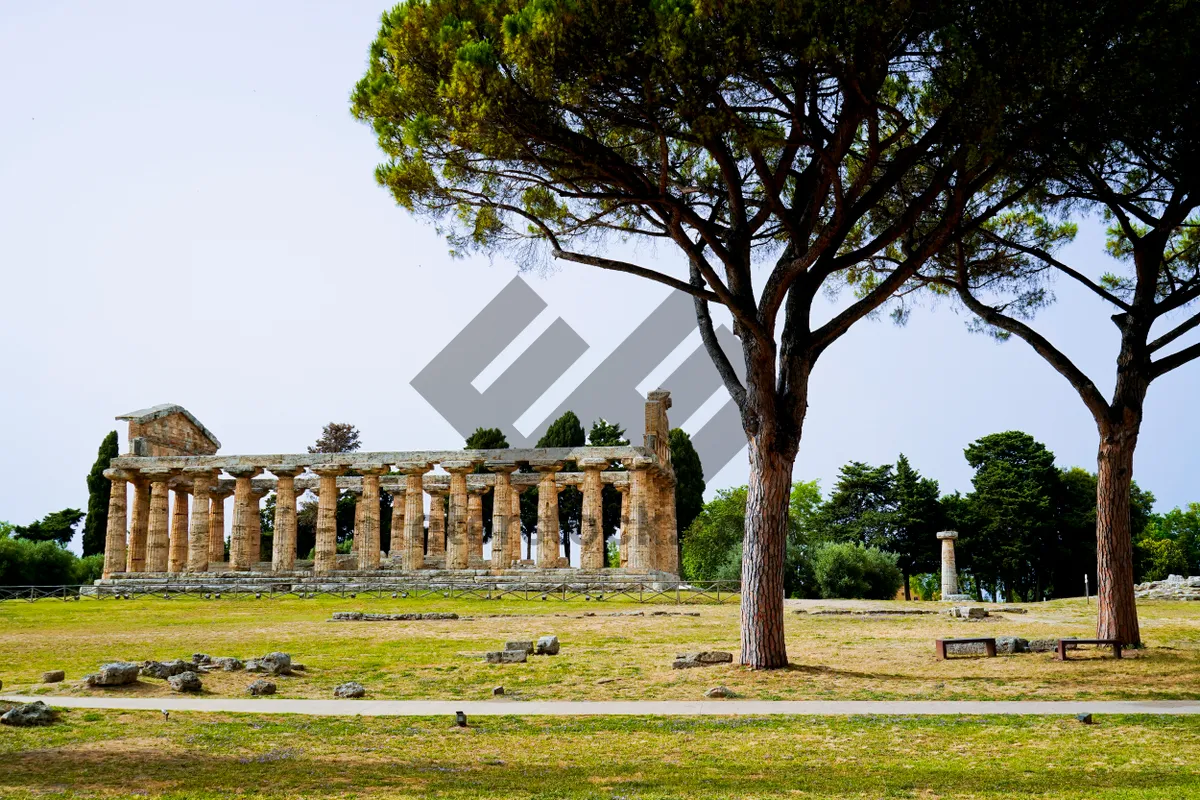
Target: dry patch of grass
x=603 y=657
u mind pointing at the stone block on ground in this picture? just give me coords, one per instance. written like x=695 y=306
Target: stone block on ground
x=719 y=691
x=704 y=658
x=524 y=646
x=547 y=646
x=506 y=657
x=350 y=689
x=1011 y=644
x=1042 y=645
x=201 y=658
x=28 y=715
x=968 y=612
x=497 y=691
x=54 y=676
x=276 y=663
x=261 y=687
x=165 y=669
x=117 y=673
x=228 y=663
x=185 y=682
x=254 y=665
x=967 y=648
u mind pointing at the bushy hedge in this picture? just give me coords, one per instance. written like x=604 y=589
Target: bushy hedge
x=26 y=563
x=845 y=570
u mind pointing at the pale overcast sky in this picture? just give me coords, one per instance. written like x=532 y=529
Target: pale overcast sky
x=188 y=215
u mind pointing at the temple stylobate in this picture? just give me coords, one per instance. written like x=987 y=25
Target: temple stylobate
x=168 y=507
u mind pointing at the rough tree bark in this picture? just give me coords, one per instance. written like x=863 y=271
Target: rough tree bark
x=1117 y=618
x=763 y=645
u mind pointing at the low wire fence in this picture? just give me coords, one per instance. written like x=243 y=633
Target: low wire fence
x=701 y=592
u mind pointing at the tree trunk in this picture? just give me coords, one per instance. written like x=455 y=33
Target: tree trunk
x=907 y=591
x=763 y=552
x=1117 y=617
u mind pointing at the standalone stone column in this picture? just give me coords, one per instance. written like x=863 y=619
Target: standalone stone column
x=668 y=541
x=283 y=545
x=501 y=514
x=325 y=557
x=254 y=534
x=177 y=552
x=591 y=527
x=949 y=568
x=623 y=547
x=437 y=522
x=414 y=515
x=456 y=525
x=547 y=522
x=158 y=529
x=368 y=553
x=216 y=525
x=639 y=523
x=114 y=536
x=139 y=525
x=475 y=526
x=197 y=544
x=514 y=525
x=239 y=536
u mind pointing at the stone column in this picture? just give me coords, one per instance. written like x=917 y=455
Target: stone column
x=456 y=524
x=367 y=536
x=399 y=500
x=139 y=525
x=949 y=568
x=158 y=528
x=325 y=557
x=437 y=522
x=501 y=514
x=623 y=546
x=668 y=541
x=653 y=515
x=197 y=545
x=414 y=515
x=239 y=535
x=547 y=522
x=591 y=526
x=283 y=546
x=475 y=526
x=216 y=525
x=177 y=552
x=254 y=534
x=514 y=525
x=114 y=537
x=639 y=516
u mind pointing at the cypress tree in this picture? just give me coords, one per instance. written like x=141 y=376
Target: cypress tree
x=99 y=489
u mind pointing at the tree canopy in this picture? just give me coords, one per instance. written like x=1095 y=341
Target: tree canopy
x=95 y=527
x=337 y=437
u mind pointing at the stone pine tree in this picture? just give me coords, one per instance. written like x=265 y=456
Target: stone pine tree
x=487 y=439
x=1133 y=156
x=782 y=149
x=689 y=480
x=99 y=487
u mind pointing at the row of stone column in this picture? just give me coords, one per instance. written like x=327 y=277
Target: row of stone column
x=155 y=544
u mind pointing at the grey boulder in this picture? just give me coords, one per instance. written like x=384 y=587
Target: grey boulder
x=118 y=673
x=276 y=663
x=704 y=658
x=506 y=657
x=260 y=687
x=547 y=646
x=351 y=689
x=1011 y=644
x=185 y=682
x=165 y=669
x=719 y=691
x=53 y=676
x=228 y=663
x=523 y=646
x=28 y=715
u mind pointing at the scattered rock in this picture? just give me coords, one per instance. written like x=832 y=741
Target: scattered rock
x=228 y=663
x=276 y=663
x=1011 y=644
x=1086 y=719
x=506 y=657
x=165 y=669
x=260 y=687
x=359 y=616
x=118 y=673
x=1175 y=587
x=351 y=689
x=185 y=682
x=524 y=646
x=28 y=715
x=254 y=665
x=547 y=646
x=968 y=612
x=719 y=691
x=1042 y=645
x=497 y=691
x=298 y=667
x=705 y=658
x=54 y=676
x=1013 y=610
x=201 y=658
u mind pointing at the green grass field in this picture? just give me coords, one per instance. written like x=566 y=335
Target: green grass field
x=194 y=756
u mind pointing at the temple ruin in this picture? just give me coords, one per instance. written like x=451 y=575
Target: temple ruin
x=171 y=526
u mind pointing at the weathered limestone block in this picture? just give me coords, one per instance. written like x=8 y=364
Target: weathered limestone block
x=701 y=659
x=547 y=646
x=54 y=676
x=228 y=663
x=506 y=657
x=164 y=669
x=185 y=682
x=523 y=646
x=28 y=715
x=1011 y=644
x=276 y=663
x=117 y=673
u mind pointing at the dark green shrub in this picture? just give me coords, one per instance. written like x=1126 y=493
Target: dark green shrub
x=848 y=570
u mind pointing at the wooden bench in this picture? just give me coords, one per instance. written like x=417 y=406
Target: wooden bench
x=1062 y=646
x=989 y=645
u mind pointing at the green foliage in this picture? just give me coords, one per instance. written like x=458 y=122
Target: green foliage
x=89 y=568
x=1158 y=558
x=566 y=431
x=337 y=437
x=689 y=478
x=95 y=528
x=925 y=586
x=612 y=555
x=607 y=434
x=58 y=526
x=849 y=570
x=720 y=525
x=1181 y=527
x=487 y=439
x=25 y=562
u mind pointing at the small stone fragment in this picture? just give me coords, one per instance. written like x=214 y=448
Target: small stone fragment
x=118 y=673
x=298 y=667
x=54 y=676
x=719 y=691
x=506 y=657
x=185 y=682
x=1086 y=719
x=497 y=691
x=165 y=669
x=261 y=687
x=350 y=689
x=704 y=658
x=519 y=645
x=201 y=658
x=228 y=663
x=28 y=715
x=547 y=646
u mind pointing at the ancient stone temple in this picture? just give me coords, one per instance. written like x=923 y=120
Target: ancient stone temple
x=168 y=510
